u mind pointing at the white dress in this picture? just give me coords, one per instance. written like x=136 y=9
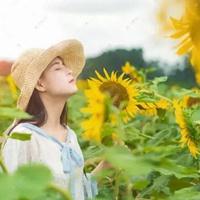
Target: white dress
x=45 y=150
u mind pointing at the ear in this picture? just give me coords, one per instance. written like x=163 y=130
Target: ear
x=39 y=86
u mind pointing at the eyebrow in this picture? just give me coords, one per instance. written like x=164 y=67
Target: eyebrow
x=56 y=62
x=52 y=64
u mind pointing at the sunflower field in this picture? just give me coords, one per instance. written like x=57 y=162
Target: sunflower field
x=148 y=131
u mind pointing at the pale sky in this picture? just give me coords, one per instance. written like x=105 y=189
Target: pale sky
x=99 y=24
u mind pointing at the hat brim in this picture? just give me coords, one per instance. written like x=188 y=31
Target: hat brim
x=72 y=54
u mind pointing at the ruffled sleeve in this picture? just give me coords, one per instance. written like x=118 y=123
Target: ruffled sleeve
x=90 y=186
x=16 y=152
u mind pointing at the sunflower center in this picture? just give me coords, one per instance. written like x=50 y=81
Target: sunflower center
x=116 y=91
x=193 y=101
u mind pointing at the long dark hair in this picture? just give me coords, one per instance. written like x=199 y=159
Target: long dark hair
x=37 y=109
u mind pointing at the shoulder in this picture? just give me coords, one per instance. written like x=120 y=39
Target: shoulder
x=21 y=129
x=71 y=131
x=71 y=134
x=16 y=143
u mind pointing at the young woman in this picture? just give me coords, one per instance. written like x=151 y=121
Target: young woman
x=46 y=79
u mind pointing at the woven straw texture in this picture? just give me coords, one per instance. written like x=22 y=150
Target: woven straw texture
x=29 y=66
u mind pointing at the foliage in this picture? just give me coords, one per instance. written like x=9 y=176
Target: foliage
x=32 y=181
x=147 y=158
x=154 y=152
x=145 y=152
x=180 y=74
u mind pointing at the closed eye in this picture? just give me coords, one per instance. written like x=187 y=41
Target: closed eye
x=56 y=63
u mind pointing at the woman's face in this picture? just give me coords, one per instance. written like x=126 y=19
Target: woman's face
x=57 y=79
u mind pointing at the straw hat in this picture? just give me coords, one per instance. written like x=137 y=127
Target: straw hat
x=28 y=68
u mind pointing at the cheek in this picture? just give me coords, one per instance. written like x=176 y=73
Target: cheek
x=56 y=82
x=49 y=80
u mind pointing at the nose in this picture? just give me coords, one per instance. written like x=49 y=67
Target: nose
x=68 y=71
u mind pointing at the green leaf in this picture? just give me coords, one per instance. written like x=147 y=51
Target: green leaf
x=131 y=133
x=159 y=79
x=140 y=184
x=147 y=100
x=160 y=183
x=151 y=69
x=177 y=184
x=161 y=113
x=184 y=91
x=122 y=158
x=107 y=141
x=92 y=151
x=180 y=172
x=195 y=115
x=6 y=188
x=185 y=160
x=185 y=193
x=30 y=181
x=20 y=136
x=162 y=150
x=146 y=97
x=12 y=113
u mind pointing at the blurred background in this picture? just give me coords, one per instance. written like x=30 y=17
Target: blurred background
x=158 y=144
x=112 y=33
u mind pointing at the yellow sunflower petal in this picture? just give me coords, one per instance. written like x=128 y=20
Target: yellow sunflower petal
x=185 y=48
x=106 y=74
x=100 y=77
x=179 y=34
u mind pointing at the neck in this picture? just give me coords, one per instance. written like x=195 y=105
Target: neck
x=54 y=108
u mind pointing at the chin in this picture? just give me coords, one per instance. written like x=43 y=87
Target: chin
x=73 y=92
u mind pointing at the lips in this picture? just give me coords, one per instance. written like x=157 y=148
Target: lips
x=72 y=81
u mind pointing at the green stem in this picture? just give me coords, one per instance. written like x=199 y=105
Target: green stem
x=144 y=130
x=146 y=136
x=2 y=164
x=116 y=192
x=63 y=192
x=160 y=96
x=144 y=76
x=121 y=128
x=197 y=163
x=129 y=188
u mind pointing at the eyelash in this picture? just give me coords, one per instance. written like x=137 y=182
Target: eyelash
x=57 y=63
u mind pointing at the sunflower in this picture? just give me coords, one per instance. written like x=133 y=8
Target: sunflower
x=188 y=131
x=188 y=30
x=166 y=8
x=119 y=90
x=103 y=92
x=13 y=87
x=132 y=72
x=192 y=101
x=82 y=84
x=97 y=109
x=186 y=25
x=195 y=62
x=149 y=108
x=182 y=18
